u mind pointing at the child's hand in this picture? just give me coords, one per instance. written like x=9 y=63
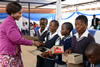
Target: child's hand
x=45 y=54
x=51 y=54
x=68 y=51
x=42 y=44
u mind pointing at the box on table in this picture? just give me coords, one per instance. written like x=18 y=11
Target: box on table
x=73 y=58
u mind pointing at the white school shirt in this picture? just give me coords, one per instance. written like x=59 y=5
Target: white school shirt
x=43 y=31
x=51 y=36
x=85 y=34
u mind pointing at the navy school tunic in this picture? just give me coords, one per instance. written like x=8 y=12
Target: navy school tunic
x=66 y=42
x=49 y=44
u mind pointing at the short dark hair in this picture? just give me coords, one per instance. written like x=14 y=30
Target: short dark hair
x=94 y=15
x=82 y=18
x=56 y=23
x=44 y=19
x=13 y=7
x=69 y=26
x=93 y=48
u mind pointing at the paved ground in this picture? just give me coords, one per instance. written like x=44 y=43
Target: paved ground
x=29 y=60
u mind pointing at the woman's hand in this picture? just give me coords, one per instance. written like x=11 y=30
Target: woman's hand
x=36 y=43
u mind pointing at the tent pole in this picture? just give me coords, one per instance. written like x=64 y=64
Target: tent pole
x=29 y=16
x=58 y=14
x=58 y=10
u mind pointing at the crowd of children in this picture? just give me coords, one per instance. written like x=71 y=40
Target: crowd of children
x=77 y=43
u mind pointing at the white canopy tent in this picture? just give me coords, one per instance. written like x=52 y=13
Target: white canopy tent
x=52 y=3
x=67 y=6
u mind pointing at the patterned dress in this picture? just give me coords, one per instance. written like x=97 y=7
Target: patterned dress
x=10 y=61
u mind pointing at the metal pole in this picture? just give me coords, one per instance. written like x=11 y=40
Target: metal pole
x=22 y=2
x=29 y=16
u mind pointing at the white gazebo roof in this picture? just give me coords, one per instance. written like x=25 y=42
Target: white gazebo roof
x=51 y=3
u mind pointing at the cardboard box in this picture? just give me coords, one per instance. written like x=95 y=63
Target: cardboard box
x=39 y=51
x=64 y=58
x=36 y=52
x=57 y=49
x=73 y=58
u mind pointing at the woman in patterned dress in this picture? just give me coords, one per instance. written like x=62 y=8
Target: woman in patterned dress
x=11 y=38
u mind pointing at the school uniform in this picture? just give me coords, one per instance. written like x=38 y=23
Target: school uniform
x=50 y=42
x=66 y=42
x=79 y=45
x=32 y=31
x=41 y=36
x=23 y=29
x=93 y=65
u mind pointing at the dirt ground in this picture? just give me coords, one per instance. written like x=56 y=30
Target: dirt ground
x=29 y=60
